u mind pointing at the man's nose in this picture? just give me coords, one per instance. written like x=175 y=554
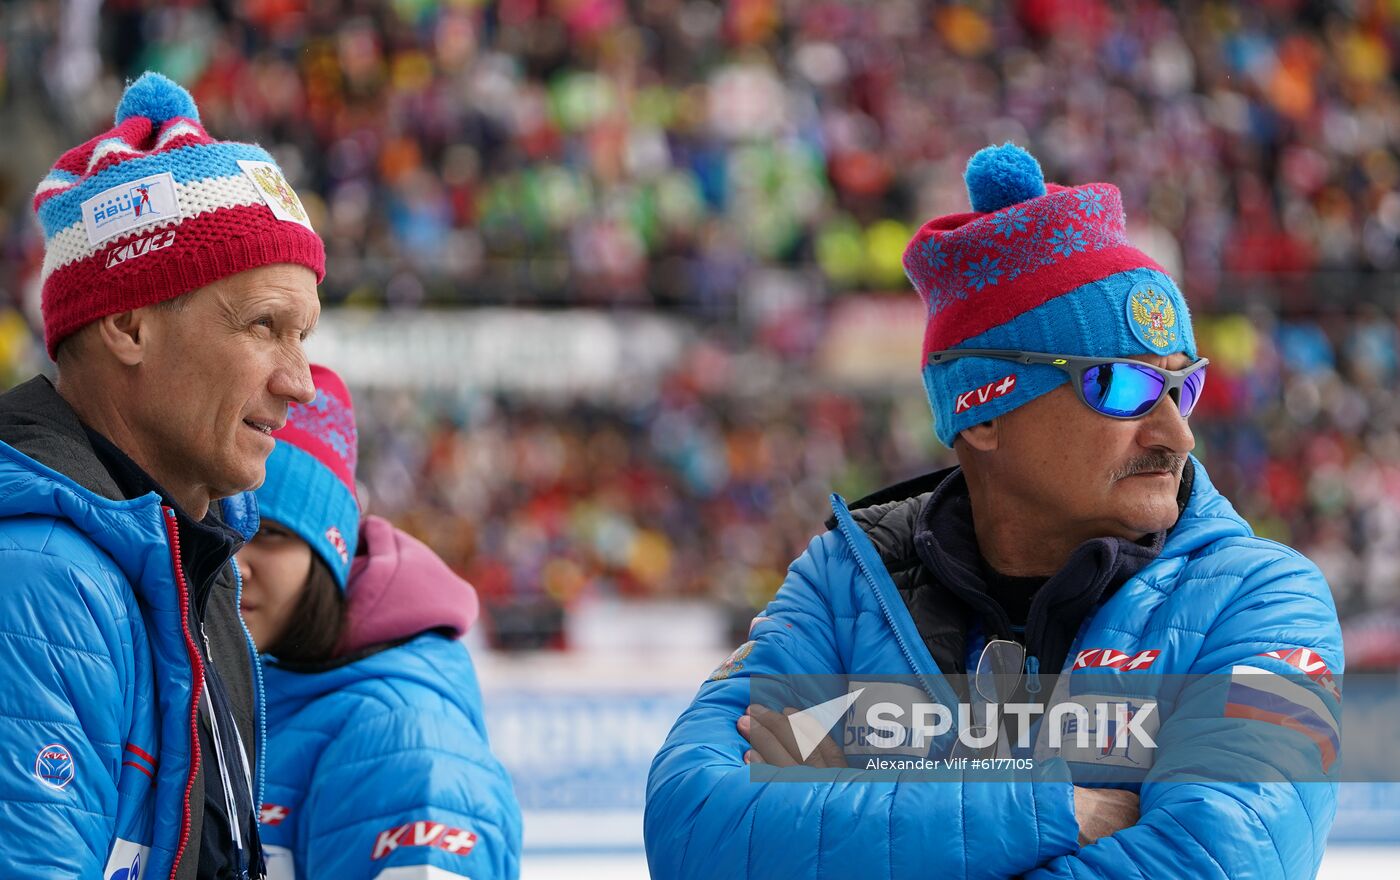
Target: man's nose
x=1165 y=428
x=292 y=379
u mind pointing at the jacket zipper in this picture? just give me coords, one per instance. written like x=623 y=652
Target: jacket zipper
x=225 y=781
x=1004 y=629
x=261 y=707
x=172 y=531
x=843 y=519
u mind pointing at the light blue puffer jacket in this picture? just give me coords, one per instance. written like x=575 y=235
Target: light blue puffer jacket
x=96 y=711
x=1215 y=597
x=379 y=764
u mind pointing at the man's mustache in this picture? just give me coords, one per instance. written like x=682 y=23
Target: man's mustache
x=1156 y=461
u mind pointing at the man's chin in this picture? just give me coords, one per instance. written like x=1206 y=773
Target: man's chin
x=1145 y=507
x=246 y=479
x=1146 y=522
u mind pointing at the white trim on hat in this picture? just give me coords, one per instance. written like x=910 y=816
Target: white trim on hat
x=55 y=183
x=197 y=197
x=179 y=129
x=111 y=147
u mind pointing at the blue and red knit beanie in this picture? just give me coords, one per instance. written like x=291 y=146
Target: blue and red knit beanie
x=310 y=485
x=155 y=208
x=1034 y=267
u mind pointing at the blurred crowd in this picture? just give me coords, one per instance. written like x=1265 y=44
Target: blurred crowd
x=711 y=490
x=745 y=165
x=664 y=151
x=700 y=493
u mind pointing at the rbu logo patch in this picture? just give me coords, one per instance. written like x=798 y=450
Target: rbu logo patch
x=132 y=203
x=129 y=206
x=140 y=247
x=54 y=767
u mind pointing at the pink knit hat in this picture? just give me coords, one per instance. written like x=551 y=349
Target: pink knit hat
x=310 y=484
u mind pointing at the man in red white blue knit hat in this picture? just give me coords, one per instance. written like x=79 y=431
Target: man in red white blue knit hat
x=1075 y=551
x=179 y=284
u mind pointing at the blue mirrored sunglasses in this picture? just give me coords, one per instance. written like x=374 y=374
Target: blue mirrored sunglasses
x=1120 y=388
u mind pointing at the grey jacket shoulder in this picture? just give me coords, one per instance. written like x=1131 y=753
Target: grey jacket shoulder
x=890 y=517
x=37 y=421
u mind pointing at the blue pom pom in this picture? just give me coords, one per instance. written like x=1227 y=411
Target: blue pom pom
x=158 y=98
x=1001 y=176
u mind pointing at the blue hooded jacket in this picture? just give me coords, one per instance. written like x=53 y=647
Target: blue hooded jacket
x=378 y=761
x=1214 y=597
x=98 y=715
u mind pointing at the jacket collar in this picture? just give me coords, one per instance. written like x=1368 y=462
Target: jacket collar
x=946 y=543
x=37 y=421
x=927 y=522
x=206 y=545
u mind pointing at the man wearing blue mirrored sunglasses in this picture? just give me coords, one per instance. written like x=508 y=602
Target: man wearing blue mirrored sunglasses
x=1076 y=534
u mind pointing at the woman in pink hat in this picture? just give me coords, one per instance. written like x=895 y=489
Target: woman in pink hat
x=378 y=760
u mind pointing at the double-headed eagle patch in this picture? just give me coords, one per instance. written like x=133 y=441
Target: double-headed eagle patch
x=1153 y=318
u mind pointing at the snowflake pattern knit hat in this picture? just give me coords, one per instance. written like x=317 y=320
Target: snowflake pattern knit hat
x=310 y=485
x=1034 y=267
x=155 y=208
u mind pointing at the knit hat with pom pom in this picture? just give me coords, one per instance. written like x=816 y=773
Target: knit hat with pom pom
x=155 y=208
x=1034 y=267
x=310 y=485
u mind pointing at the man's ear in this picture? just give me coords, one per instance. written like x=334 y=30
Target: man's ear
x=126 y=335
x=984 y=437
